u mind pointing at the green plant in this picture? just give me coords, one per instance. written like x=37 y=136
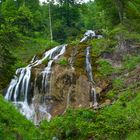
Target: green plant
x=111 y=122
x=13 y=125
x=75 y=42
x=130 y=62
x=118 y=83
x=105 y=68
x=111 y=94
x=100 y=46
x=45 y=61
x=63 y=61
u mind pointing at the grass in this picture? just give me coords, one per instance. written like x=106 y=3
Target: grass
x=30 y=48
x=130 y=62
x=13 y=125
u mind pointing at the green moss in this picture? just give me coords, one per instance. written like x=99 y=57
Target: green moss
x=80 y=62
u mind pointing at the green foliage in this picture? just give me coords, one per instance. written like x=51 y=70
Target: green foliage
x=127 y=95
x=133 y=136
x=105 y=68
x=118 y=83
x=130 y=62
x=111 y=94
x=9 y=9
x=100 y=46
x=117 y=121
x=30 y=47
x=113 y=122
x=9 y=38
x=45 y=61
x=28 y=21
x=13 y=125
x=75 y=42
x=24 y=19
x=63 y=61
x=126 y=33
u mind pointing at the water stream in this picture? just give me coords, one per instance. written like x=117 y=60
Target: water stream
x=35 y=104
x=19 y=88
x=90 y=77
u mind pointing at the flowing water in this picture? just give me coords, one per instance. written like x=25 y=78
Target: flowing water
x=33 y=98
x=90 y=77
x=19 y=88
x=88 y=35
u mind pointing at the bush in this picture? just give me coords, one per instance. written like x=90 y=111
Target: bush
x=111 y=94
x=118 y=83
x=114 y=122
x=105 y=68
x=13 y=125
x=130 y=62
x=102 y=45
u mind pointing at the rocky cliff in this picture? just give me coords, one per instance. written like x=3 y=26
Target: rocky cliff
x=72 y=76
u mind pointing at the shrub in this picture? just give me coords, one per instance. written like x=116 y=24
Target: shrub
x=13 y=125
x=100 y=46
x=112 y=122
x=130 y=62
x=118 y=83
x=105 y=68
x=111 y=94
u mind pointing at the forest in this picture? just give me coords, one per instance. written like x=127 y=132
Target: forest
x=29 y=27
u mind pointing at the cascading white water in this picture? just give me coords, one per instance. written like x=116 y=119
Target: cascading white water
x=19 y=87
x=46 y=73
x=90 y=77
x=88 y=34
x=88 y=65
x=36 y=107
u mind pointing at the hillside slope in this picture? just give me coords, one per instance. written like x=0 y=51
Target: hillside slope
x=117 y=84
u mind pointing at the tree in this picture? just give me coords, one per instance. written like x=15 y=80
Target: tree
x=9 y=9
x=24 y=19
x=50 y=22
x=8 y=40
x=33 y=5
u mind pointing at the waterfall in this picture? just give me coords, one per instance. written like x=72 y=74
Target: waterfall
x=90 y=77
x=34 y=98
x=19 y=88
x=46 y=73
x=88 y=34
x=88 y=65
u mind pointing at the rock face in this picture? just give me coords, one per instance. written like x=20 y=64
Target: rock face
x=71 y=90
x=62 y=78
x=68 y=86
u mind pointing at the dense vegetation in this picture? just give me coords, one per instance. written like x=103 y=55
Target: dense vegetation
x=27 y=28
x=24 y=22
x=13 y=125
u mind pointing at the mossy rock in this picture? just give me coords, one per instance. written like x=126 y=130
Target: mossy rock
x=68 y=52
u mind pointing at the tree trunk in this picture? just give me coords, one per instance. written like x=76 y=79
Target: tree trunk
x=120 y=6
x=50 y=23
